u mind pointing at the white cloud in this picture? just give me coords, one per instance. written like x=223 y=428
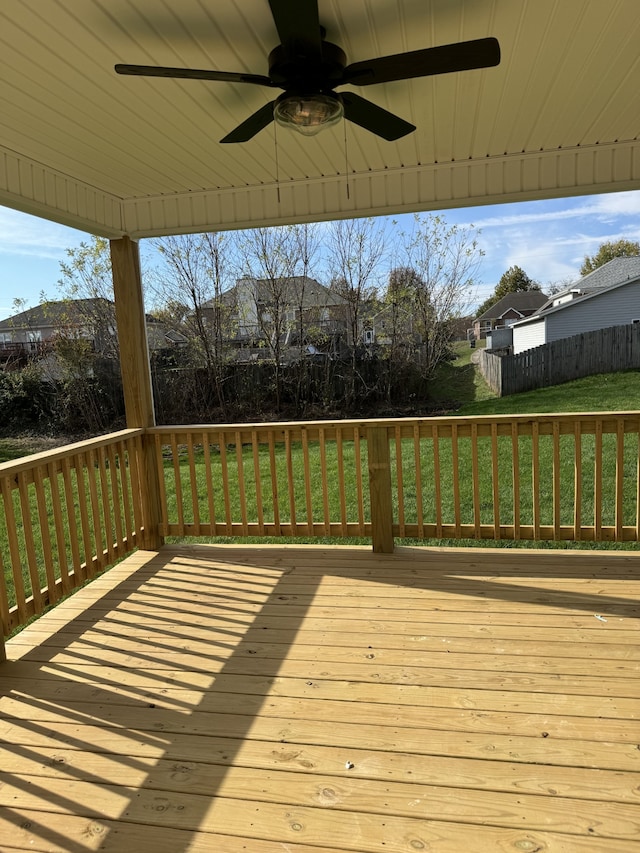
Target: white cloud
x=21 y=234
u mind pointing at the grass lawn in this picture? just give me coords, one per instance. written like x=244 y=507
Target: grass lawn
x=607 y=392
x=459 y=382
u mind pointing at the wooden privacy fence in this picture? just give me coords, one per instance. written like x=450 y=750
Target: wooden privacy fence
x=66 y=515
x=536 y=477
x=601 y=351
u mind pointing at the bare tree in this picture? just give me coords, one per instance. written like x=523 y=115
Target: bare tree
x=399 y=323
x=446 y=260
x=356 y=251
x=270 y=259
x=191 y=283
x=87 y=287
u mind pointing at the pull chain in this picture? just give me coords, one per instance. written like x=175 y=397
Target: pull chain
x=346 y=158
x=275 y=140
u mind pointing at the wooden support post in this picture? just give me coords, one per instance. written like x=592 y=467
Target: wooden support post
x=380 y=489
x=136 y=375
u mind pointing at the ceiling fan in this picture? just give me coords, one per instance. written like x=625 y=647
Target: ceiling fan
x=309 y=69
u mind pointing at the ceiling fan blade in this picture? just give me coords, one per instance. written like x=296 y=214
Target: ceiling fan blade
x=254 y=124
x=191 y=74
x=374 y=118
x=298 y=26
x=462 y=56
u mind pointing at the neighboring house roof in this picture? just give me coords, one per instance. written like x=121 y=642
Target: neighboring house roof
x=614 y=272
x=522 y=301
x=52 y=314
x=589 y=293
x=295 y=290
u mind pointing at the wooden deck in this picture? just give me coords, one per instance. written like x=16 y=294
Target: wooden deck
x=321 y=699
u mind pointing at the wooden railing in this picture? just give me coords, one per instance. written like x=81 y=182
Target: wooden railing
x=69 y=513
x=66 y=515
x=533 y=477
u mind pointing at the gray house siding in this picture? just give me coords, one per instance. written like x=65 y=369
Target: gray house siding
x=615 y=307
x=528 y=336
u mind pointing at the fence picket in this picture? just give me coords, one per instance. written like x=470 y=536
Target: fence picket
x=600 y=351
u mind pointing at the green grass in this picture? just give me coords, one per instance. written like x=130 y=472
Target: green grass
x=609 y=392
x=458 y=382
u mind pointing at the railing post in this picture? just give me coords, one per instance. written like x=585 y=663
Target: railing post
x=136 y=375
x=380 y=489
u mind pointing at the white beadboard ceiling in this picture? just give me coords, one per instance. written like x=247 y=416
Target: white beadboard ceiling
x=117 y=155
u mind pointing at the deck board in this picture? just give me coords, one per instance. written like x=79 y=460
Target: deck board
x=211 y=698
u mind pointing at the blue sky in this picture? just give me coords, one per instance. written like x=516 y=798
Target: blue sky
x=548 y=239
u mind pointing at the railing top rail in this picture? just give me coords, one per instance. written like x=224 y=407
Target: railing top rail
x=25 y=463
x=390 y=422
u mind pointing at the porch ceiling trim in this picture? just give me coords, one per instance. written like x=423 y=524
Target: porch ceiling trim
x=525 y=177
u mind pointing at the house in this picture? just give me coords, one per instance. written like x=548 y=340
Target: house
x=608 y=296
x=92 y=320
x=388 y=324
x=256 y=307
x=506 y=311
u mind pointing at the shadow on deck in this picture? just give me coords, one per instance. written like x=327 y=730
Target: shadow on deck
x=312 y=699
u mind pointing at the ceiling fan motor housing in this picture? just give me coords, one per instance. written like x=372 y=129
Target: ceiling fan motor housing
x=293 y=70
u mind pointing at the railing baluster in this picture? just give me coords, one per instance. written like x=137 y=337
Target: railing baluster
x=193 y=482
x=556 y=480
x=437 y=481
x=357 y=456
x=307 y=480
x=27 y=532
x=255 y=445
x=290 y=481
x=399 y=481
x=58 y=524
x=274 y=482
x=116 y=506
x=495 y=481
x=619 y=509
x=241 y=483
x=577 y=488
x=211 y=504
x=45 y=536
x=79 y=573
x=455 y=469
x=162 y=488
x=417 y=461
x=343 y=501
x=106 y=510
x=177 y=478
x=126 y=453
x=224 y=472
x=97 y=563
x=79 y=467
x=325 y=484
x=14 y=550
x=535 y=479
x=6 y=624
x=597 y=484
x=475 y=475
x=515 y=451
